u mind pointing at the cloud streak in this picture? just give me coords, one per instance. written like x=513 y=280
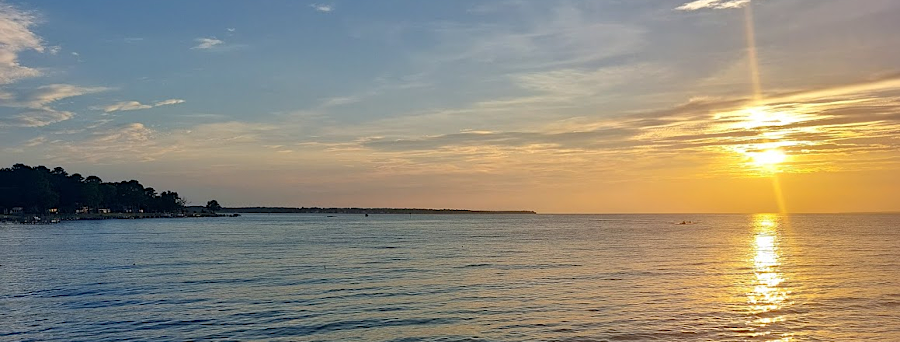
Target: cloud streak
x=135 y=105
x=168 y=102
x=324 y=8
x=37 y=105
x=36 y=118
x=712 y=4
x=560 y=36
x=206 y=43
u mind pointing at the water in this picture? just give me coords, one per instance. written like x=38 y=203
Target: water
x=454 y=278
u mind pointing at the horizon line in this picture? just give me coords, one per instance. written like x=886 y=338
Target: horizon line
x=568 y=213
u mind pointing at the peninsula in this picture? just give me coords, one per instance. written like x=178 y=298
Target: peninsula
x=316 y=210
x=41 y=194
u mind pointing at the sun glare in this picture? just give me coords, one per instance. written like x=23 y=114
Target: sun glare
x=768 y=158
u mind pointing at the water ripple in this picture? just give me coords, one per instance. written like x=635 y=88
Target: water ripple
x=454 y=278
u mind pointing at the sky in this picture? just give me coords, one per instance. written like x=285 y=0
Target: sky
x=554 y=106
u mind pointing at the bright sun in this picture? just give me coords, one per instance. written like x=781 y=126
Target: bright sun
x=768 y=158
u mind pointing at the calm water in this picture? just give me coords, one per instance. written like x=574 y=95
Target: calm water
x=455 y=278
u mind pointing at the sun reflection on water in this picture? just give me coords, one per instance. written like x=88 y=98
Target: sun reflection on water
x=767 y=296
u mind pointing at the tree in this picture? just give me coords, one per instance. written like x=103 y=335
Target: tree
x=91 y=195
x=36 y=189
x=169 y=202
x=130 y=194
x=213 y=206
x=109 y=195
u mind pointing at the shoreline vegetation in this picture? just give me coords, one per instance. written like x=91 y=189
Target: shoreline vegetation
x=39 y=194
x=192 y=212
x=49 y=219
x=36 y=195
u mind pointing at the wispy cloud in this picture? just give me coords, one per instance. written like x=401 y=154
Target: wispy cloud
x=38 y=105
x=135 y=105
x=123 y=106
x=168 y=102
x=36 y=141
x=325 y=8
x=342 y=100
x=206 y=43
x=560 y=36
x=126 y=133
x=124 y=143
x=712 y=4
x=47 y=94
x=16 y=36
x=36 y=118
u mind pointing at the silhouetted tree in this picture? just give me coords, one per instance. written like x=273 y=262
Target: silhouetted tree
x=37 y=189
x=213 y=206
x=91 y=195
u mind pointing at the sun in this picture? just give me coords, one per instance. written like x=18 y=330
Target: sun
x=768 y=158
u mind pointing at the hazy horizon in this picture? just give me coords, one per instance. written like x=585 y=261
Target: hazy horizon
x=673 y=106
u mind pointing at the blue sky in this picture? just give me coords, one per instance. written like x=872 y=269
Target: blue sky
x=587 y=106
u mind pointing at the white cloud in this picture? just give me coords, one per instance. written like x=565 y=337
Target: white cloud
x=207 y=43
x=341 y=100
x=75 y=54
x=712 y=4
x=133 y=132
x=125 y=143
x=168 y=102
x=135 y=105
x=35 y=141
x=15 y=37
x=36 y=118
x=325 y=8
x=230 y=29
x=54 y=92
x=124 y=105
x=39 y=112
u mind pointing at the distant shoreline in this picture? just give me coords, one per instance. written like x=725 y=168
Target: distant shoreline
x=197 y=211
x=411 y=211
x=56 y=218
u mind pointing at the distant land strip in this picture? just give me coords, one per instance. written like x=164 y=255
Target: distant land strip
x=314 y=210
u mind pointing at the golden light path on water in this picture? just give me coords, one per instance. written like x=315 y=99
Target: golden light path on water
x=767 y=296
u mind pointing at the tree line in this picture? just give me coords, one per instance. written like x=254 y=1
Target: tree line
x=39 y=189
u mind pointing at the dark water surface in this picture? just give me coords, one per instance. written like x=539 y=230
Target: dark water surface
x=454 y=278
